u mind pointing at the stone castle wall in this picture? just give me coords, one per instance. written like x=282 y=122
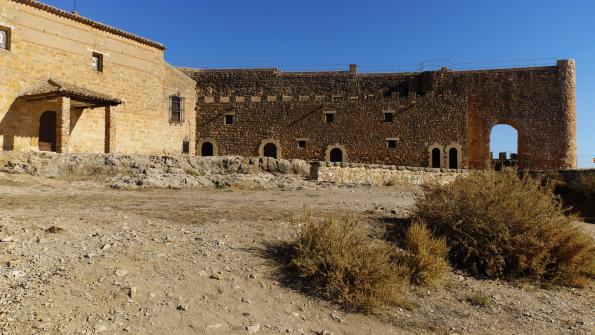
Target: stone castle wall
x=358 y=128
x=47 y=45
x=538 y=102
x=439 y=109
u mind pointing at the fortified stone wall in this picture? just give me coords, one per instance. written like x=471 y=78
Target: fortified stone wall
x=538 y=102
x=358 y=129
x=439 y=109
x=49 y=43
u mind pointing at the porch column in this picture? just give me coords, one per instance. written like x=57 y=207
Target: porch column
x=110 y=130
x=63 y=125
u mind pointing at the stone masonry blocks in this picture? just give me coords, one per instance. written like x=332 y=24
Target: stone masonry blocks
x=446 y=109
x=63 y=125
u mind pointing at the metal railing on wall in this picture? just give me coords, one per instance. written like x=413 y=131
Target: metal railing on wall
x=426 y=65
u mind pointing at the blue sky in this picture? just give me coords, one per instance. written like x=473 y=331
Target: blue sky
x=377 y=34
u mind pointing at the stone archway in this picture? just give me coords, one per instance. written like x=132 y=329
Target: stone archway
x=479 y=146
x=336 y=153
x=47 y=131
x=270 y=148
x=207 y=147
x=436 y=156
x=510 y=154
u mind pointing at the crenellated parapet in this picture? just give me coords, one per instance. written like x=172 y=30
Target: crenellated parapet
x=394 y=97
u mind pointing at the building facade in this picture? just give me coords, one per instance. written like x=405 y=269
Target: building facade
x=430 y=119
x=70 y=84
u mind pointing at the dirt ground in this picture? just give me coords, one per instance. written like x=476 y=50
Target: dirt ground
x=197 y=261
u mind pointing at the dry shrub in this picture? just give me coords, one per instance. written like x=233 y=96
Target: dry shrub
x=424 y=255
x=337 y=259
x=502 y=226
x=394 y=181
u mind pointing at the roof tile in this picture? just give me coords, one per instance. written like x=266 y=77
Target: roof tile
x=54 y=87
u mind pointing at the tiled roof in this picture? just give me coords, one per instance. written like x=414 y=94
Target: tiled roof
x=53 y=87
x=89 y=22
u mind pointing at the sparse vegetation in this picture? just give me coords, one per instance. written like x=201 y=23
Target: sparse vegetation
x=194 y=173
x=424 y=255
x=409 y=305
x=501 y=226
x=393 y=181
x=479 y=299
x=337 y=259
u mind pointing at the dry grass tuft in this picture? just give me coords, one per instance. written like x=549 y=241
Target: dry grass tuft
x=502 y=226
x=337 y=259
x=479 y=299
x=424 y=256
x=194 y=172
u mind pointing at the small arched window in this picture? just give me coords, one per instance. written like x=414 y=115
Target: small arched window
x=453 y=158
x=436 y=158
x=336 y=155
x=206 y=149
x=270 y=150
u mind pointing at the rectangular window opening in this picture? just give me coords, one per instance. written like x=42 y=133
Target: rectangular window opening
x=4 y=38
x=301 y=144
x=176 y=108
x=97 y=61
x=391 y=144
x=329 y=117
x=229 y=119
x=186 y=147
x=389 y=117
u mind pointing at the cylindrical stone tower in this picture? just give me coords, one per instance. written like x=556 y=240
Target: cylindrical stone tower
x=568 y=158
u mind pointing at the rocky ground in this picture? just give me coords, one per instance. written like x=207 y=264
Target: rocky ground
x=177 y=172
x=78 y=256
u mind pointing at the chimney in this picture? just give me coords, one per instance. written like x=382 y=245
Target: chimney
x=352 y=68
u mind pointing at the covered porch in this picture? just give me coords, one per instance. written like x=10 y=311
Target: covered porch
x=58 y=107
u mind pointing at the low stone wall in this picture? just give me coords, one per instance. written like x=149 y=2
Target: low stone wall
x=133 y=171
x=373 y=174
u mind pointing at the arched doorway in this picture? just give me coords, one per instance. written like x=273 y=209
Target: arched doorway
x=270 y=150
x=436 y=158
x=47 y=131
x=504 y=146
x=453 y=158
x=206 y=149
x=336 y=155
